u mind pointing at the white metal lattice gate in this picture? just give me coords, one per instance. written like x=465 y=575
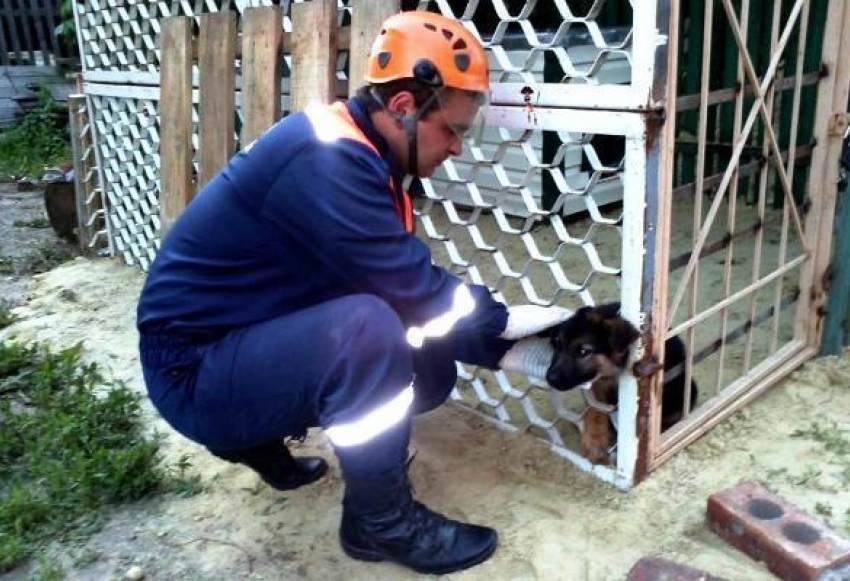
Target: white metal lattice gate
x=566 y=197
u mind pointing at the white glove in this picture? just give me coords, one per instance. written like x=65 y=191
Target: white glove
x=527 y=320
x=531 y=356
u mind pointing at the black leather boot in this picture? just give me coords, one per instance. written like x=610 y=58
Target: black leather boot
x=276 y=466
x=407 y=532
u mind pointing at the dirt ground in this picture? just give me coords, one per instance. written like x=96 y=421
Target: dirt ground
x=555 y=522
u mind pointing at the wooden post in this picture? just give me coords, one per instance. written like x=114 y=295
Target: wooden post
x=261 y=55
x=76 y=103
x=314 y=53
x=366 y=19
x=823 y=173
x=216 y=52
x=175 y=147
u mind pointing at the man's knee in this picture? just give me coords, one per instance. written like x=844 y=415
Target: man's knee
x=435 y=374
x=371 y=321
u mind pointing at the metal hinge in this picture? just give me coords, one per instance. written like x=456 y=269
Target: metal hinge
x=839 y=124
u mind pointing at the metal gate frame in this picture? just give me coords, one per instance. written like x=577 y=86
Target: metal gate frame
x=816 y=231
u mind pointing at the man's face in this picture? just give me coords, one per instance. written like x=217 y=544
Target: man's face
x=442 y=131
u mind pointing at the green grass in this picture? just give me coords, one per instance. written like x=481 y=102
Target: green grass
x=45 y=257
x=41 y=139
x=7 y=265
x=71 y=443
x=6 y=316
x=34 y=223
x=833 y=439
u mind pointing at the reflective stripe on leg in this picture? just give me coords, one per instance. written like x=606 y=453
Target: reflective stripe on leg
x=373 y=423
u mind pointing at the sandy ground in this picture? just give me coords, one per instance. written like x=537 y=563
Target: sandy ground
x=555 y=522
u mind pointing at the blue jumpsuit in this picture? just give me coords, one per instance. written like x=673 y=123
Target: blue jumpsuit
x=281 y=298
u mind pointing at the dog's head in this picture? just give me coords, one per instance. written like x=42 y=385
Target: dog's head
x=592 y=344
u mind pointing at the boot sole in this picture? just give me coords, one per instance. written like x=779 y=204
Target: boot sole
x=373 y=557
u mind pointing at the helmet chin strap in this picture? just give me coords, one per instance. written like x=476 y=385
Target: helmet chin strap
x=409 y=122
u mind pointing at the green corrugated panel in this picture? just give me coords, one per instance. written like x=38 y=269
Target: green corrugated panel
x=837 y=328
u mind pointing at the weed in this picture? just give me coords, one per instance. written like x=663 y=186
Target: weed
x=42 y=259
x=811 y=473
x=6 y=316
x=48 y=571
x=67 y=448
x=833 y=438
x=40 y=139
x=823 y=509
x=7 y=266
x=34 y=223
x=45 y=258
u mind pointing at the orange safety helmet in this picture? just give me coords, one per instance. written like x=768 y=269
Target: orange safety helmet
x=430 y=48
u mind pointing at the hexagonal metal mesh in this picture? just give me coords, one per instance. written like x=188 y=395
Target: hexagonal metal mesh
x=581 y=38
x=538 y=225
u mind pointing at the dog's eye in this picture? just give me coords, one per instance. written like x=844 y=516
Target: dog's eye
x=584 y=351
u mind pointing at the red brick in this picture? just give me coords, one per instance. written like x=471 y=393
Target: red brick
x=793 y=545
x=654 y=569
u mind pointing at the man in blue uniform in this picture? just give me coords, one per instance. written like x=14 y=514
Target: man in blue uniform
x=292 y=293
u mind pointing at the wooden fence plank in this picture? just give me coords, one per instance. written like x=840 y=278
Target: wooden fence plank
x=23 y=21
x=216 y=50
x=261 y=36
x=175 y=148
x=314 y=53
x=37 y=19
x=51 y=14
x=4 y=48
x=366 y=19
x=12 y=27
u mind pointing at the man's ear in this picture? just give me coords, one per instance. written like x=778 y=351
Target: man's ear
x=401 y=104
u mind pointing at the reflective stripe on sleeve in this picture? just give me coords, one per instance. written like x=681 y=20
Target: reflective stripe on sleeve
x=463 y=305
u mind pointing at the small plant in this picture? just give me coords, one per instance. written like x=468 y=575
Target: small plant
x=7 y=265
x=66 y=30
x=46 y=258
x=833 y=438
x=42 y=259
x=34 y=223
x=67 y=448
x=40 y=139
x=823 y=509
x=48 y=571
x=6 y=316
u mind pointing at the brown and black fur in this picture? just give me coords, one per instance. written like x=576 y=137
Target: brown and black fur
x=594 y=344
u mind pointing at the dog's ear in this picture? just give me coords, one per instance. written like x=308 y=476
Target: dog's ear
x=621 y=334
x=609 y=310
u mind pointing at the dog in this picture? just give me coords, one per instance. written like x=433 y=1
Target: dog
x=593 y=346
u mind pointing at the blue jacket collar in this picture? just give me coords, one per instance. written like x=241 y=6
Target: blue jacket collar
x=361 y=117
